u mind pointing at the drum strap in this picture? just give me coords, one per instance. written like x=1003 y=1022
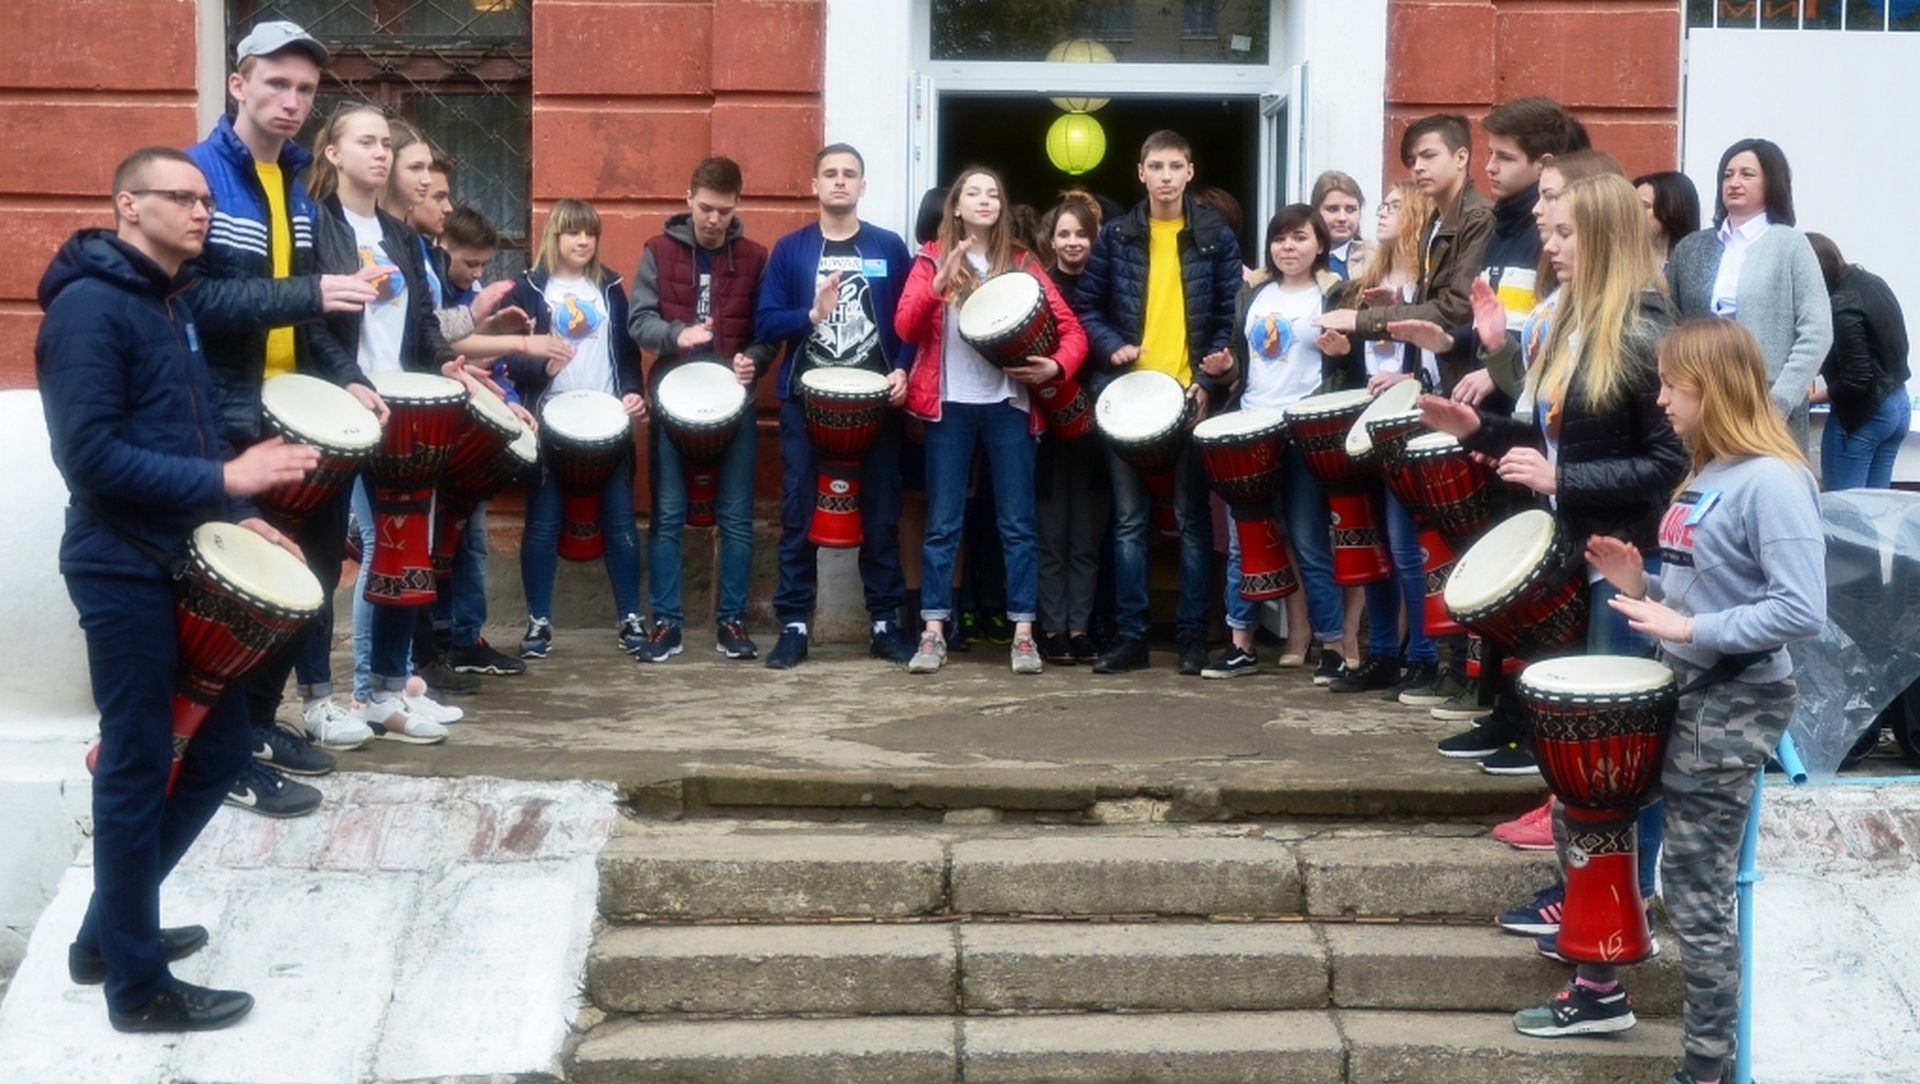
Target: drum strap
x=173 y=564
x=1728 y=668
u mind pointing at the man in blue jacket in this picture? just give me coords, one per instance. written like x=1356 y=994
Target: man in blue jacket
x=1158 y=295
x=129 y=411
x=256 y=302
x=828 y=296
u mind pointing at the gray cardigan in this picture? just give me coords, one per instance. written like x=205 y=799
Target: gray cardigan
x=1782 y=299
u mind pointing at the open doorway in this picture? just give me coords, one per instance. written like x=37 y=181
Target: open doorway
x=1007 y=132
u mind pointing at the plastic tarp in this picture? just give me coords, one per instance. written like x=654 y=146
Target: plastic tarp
x=1870 y=651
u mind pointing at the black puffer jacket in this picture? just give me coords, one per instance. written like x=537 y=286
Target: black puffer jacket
x=1112 y=299
x=1868 y=361
x=422 y=347
x=1618 y=464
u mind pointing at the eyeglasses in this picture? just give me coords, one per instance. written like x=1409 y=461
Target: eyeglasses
x=179 y=197
x=1390 y=205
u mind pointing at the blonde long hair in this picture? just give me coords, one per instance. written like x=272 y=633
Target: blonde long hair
x=570 y=216
x=1403 y=256
x=1613 y=268
x=1720 y=361
x=323 y=178
x=1003 y=249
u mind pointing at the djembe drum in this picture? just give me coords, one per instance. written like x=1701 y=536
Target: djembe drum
x=426 y=413
x=1243 y=452
x=1521 y=587
x=587 y=434
x=1144 y=416
x=1320 y=425
x=843 y=410
x=1600 y=729
x=326 y=417
x=1006 y=319
x=700 y=405
x=495 y=450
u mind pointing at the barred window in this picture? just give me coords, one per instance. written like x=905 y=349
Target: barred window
x=459 y=70
x=1868 y=15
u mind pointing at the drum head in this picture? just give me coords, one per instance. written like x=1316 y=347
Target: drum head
x=1253 y=421
x=1596 y=675
x=1140 y=405
x=1398 y=399
x=256 y=567
x=1334 y=402
x=320 y=413
x=701 y=393
x=1000 y=305
x=584 y=416
x=526 y=447
x=494 y=412
x=1501 y=561
x=1432 y=444
x=844 y=381
x=418 y=387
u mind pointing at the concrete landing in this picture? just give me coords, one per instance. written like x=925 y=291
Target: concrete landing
x=411 y=930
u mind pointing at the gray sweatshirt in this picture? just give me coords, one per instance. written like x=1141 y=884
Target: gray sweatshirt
x=1743 y=552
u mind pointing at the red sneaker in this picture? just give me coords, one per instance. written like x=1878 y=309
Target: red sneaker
x=1530 y=831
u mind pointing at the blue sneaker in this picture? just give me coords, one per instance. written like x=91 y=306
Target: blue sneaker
x=633 y=634
x=731 y=640
x=1540 y=917
x=1577 y=1010
x=538 y=640
x=664 y=644
x=789 y=651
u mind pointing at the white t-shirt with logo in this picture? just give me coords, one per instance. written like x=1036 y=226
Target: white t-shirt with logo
x=1283 y=359
x=580 y=317
x=383 y=324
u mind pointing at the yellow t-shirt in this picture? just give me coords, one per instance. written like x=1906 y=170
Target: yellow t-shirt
x=1163 y=335
x=280 y=231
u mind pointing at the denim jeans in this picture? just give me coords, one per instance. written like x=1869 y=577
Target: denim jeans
x=1407 y=586
x=1864 y=457
x=1607 y=631
x=540 y=556
x=1003 y=431
x=733 y=519
x=1310 y=532
x=382 y=635
x=461 y=609
x=794 y=599
x=1132 y=519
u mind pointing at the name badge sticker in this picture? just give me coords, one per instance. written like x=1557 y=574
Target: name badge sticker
x=193 y=337
x=1707 y=500
x=873 y=269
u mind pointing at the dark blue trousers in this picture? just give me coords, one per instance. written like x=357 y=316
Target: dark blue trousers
x=799 y=585
x=139 y=832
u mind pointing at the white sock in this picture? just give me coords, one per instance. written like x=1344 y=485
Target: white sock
x=797 y=626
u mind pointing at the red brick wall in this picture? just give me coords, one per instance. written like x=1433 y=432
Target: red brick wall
x=82 y=82
x=1615 y=63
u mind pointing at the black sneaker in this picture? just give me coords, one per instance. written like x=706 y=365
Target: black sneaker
x=1331 y=669
x=184 y=1007
x=1577 y=1010
x=1055 y=651
x=1235 y=662
x=262 y=790
x=663 y=644
x=538 y=640
x=731 y=640
x=1378 y=672
x=1193 y=653
x=291 y=753
x=88 y=968
x=887 y=643
x=1514 y=758
x=441 y=677
x=996 y=629
x=789 y=651
x=1081 y=646
x=481 y=658
x=1124 y=655
x=962 y=631
x=1416 y=678
x=1483 y=739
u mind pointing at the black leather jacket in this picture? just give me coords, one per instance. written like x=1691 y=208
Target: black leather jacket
x=1868 y=361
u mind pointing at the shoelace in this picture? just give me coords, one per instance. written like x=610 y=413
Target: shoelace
x=660 y=633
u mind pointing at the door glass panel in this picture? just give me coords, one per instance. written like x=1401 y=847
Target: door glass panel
x=1133 y=31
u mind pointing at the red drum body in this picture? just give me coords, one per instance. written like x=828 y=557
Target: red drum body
x=426 y=416
x=1320 y=425
x=700 y=405
x=1068 y=407
x=1144 y=416
x=587 y=435
x=495 y=450
x=240 y=598
x=1444 y=487
x=1600 y=728
x=843 y=409
x=1477 y=659
x=1243 y=452
x=1388 y=422
x=1007 y=320
x=1437 y=561
x=308 y=410
x=1518 y=587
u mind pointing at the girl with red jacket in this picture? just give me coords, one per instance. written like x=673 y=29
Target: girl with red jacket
x=967 y=401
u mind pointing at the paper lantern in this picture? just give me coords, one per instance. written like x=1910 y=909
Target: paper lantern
x=1079 y=51
x=1076 y=143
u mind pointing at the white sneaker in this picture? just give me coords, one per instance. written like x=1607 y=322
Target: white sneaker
x=422 y=706
x=331 y=726
x=384 y=709
x=932 y=654
x=388 y=716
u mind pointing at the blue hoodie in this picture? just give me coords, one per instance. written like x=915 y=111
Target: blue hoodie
x=791 y=282
x=129 y=407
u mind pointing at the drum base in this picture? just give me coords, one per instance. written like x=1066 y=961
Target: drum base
x=401 y=570
x=1068 y=409
x=1265 y=569
x=1605 y=920
x=836 y=508
x=703 y=493
x=580 y=537
x=1359 y=555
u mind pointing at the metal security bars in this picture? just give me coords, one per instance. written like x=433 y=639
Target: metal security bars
x=460 y=70
x=1868 y=15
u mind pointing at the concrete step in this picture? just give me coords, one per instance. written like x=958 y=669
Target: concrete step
x=1189 y=1048
x=1025 y=967
x=894 y=871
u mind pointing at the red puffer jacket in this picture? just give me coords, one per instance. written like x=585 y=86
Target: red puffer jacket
x=921 y=320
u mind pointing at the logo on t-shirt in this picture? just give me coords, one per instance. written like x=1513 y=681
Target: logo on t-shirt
x=1676 y=534
x=389 y=285
x=576 y=318
x=1271 y=336
x=851 y=332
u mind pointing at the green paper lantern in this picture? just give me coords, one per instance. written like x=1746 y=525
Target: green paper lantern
x=1076 y=143
x=1079 y=51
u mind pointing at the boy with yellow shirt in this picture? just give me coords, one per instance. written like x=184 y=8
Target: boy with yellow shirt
x=1158 y=294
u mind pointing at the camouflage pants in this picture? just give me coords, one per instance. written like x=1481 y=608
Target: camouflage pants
x=1721 y=737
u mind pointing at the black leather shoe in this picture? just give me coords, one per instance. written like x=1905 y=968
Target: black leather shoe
x=1124 y=655
x=185 y=1007
x=87 y=968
